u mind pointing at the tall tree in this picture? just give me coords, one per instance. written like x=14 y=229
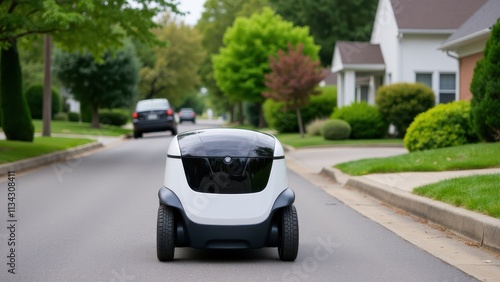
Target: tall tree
x=485 y=88
x=294 y=77
x=92 y=25
x=330 y=20
x=174 y=73
x=217 y=16
x=240 y=66
x=111 y=82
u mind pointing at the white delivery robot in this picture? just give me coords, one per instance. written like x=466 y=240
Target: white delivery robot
x=226 y=189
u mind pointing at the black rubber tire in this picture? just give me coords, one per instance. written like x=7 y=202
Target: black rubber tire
x=137 y=134
x=174 y=131
x=288 y=244
x=165 y=234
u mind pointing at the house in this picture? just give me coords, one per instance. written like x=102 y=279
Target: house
x=403 y=48
x=468 y=41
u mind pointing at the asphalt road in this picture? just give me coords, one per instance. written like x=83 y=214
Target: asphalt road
x=93 y=218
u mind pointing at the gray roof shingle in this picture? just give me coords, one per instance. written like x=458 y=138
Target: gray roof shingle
x=433 y=14
x=354 y=53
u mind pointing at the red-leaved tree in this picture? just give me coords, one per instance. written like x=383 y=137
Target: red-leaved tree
x=293 y=79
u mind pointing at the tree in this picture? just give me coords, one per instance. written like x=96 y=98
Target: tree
x=174 y=73
x=240 y=66
x=111 y=83
x=485 y=88
x=330 y=20
x=16 y=118
x=293 y=78
x=92 y=25
x=217 y=16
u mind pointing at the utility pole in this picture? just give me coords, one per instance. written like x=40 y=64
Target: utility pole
x=47 y=87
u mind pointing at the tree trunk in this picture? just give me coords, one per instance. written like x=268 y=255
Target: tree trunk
x=241 y=116
x=232 y=118
x=262 y=121
x=16 y=117
x=299 y=121
x=47 y=88
x=95 y=115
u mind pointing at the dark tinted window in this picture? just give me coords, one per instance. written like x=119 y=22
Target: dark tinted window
x=216 y=175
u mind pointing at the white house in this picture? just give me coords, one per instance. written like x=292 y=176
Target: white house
x=468 y=41
x=403 y=48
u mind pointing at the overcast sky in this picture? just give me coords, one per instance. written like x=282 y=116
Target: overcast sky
x=194 y=7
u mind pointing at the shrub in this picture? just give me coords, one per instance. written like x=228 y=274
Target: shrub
x=485 y=103
x=320 y=106
x=72 y=116
x=116 y=117
x=335 y=129
x=61 y=117
x=314 y=127
x=445 y=125
x=400 y=103
x=34 y=97
x=365 y=120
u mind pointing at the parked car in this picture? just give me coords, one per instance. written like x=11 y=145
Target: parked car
x=153 y=115
x=226 y=188
x=187 y=114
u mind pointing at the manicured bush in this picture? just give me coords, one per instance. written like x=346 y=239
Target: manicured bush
x=400 y=103
x=335 y=129
x=72 y=116
x=34 y=97
x=320 y=106
x=314 y=127
x=445 y=125
x=16 y=119
x=61 y=117
x=365 y=120
x=116 y=117
x=485 y=88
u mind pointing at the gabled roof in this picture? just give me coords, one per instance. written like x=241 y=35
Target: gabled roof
x=414 y=15
x=358 y=55
x=477 y=26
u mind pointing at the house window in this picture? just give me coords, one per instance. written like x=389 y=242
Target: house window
x=424 y=78
x=447 y=88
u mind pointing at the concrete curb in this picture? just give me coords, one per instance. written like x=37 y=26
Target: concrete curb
x=480 y=228
x=48 y=158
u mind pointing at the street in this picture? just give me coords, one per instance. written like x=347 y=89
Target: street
x=93 y=218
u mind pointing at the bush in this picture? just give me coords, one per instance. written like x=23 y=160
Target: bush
x=335 y=129
x=445 y=125
x=72 y=116
x=116 y=117
x=485 y=103
x=365 y=120
x=400 y=103
x=314 y=127
x=34 y=97
x=320 y=106
x=61 y=117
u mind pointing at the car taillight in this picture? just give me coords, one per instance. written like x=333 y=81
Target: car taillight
x=180 y=114
x=135 y=115
x=192 y=114
x=170 y=112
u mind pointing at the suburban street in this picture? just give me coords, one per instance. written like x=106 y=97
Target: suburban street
x=93 y=218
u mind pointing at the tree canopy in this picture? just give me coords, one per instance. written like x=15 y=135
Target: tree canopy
x=293 y=79
x=174 y=73
x=240 y=66
x=110 y=84
x=330 y=20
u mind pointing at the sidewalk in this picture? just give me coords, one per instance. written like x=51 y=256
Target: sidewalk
x=395 y=189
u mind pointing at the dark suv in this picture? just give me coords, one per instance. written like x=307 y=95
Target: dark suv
x=153 y=115
x=187 y=114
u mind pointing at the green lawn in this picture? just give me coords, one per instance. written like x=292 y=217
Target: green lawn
x=477 y=193
x=14 y=150
x=294 y=140
x=473 y=156
x=81 y=128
